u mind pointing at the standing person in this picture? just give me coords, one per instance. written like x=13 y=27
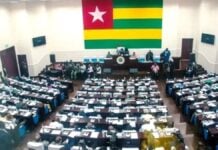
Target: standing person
x=83 y=71
x=90 y=71
x=165 y=55
x=77 y=71
x=172 y=67
x=149 y=56
x=166 y=70
x=155 y=71
x=98 y=71
x=73 y=70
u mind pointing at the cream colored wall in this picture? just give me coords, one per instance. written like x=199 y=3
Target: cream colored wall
x=207 y=54
x=6 y=39
x=61 y=22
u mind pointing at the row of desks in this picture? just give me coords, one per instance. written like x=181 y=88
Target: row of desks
x=198 y=99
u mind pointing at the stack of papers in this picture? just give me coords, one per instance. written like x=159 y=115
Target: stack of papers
x=134 y=135
x=94 y=135
x=74 y=133
x=56 y=132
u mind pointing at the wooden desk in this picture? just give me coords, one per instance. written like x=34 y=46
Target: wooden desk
x=128 y=63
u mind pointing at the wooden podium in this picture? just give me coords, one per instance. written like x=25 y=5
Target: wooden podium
x=120 y=63
x=129 y=63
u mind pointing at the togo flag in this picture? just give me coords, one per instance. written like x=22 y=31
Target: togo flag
x=129 y=23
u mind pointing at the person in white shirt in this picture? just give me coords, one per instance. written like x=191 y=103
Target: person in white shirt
x=98 y=71
x=83 y=71
x=56 y=124
x=148 y=126
x=90 y=71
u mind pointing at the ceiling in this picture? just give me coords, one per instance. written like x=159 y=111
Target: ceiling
x=18 y=1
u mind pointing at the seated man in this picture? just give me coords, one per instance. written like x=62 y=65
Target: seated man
x=82 y=145
x=189 y=71
x=149 y=56
x=133 y=55
x=121 y=50
x=56 y=124
x=113 y=137
x=126 y=51
x=90 y=126
x=58 y=140
x=108 y=55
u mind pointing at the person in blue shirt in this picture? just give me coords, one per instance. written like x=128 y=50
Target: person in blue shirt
x=165 y=55
x=5 y=138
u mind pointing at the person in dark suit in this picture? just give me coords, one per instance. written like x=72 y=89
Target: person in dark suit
x=149 y=56
x=121 y=50
x=113 y=137
x=165 y=55
x=90 y=71
x=126 y=51
x=172 y=67
x=189 y=70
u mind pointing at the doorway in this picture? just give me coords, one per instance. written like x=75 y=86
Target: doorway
x=187 y=46
x=9 y=62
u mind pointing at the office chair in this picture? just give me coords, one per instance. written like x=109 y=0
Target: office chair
x=55 y=147
x=35 y=146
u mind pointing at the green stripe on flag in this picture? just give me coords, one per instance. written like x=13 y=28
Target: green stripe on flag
x=137 y=3
x=101 y=44
x=137 y=23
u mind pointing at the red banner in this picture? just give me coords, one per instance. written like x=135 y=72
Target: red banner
x=97 y=14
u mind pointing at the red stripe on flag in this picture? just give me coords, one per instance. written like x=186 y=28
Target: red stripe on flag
x=97 y=14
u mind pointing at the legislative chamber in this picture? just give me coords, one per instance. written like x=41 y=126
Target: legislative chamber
x=108 y=75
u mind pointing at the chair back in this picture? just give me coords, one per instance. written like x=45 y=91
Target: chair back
x=55 y=147
x=35 y=146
